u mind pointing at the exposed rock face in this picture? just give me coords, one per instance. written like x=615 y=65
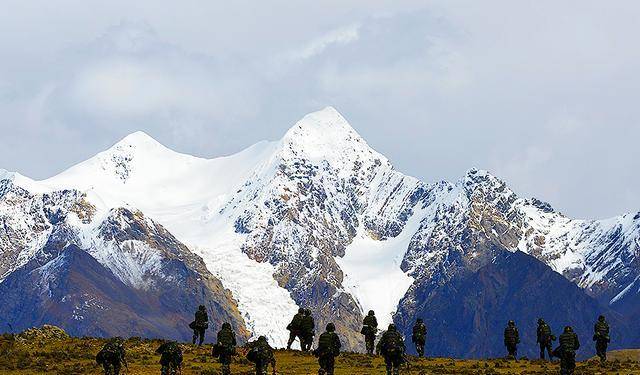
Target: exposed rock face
x=469 y=223
x=131 y=277
x=467 y=315
x=317 y=219
x=302 y=209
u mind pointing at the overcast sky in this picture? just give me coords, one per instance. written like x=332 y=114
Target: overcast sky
x=544 y=94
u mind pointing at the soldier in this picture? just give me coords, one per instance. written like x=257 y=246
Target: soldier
x=294 y=328
x=112 y=356
x=369 y=330
x=545 y=338
x=261 y=354
x=569 y=343
x=307 y=327
x=225 y=348
x=200 y=324
x=601 y=337
x=328 y=349
x=511 y=339
x=170 y=358
x=419 y=336
x=392 y=348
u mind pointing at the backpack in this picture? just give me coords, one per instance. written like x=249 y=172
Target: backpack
x=602 y=330
x=370 y=321
x=544 y=333
x=173 y=353
x=366 y=330
x=259 y=354
x=100 y=357
x=511 y=335
x=201 y=321
x=419 y=332
x=393 y=345
x=226 y=342
x=296 y=322
x=327 y=344
x=110 y=353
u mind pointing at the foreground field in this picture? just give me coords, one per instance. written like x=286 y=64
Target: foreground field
x=68 y=356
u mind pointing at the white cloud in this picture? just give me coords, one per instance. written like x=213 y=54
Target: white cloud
x=542 y=93
x=342 y=36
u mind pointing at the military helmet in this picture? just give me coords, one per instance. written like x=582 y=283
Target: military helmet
x=601 y=318
x=201 y=307
x=331 y=327
x=117 y=340
x=226 y=325
x=301 y=311
x=392 y=327
x=262 y=338
x=511 y=323
x=371 y=313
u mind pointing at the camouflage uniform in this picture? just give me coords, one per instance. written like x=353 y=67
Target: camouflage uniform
x=419 y=336
x=112 y=356
x=200 y=325
x=328 y=349
x=392 y=348
x=601 y=337
x=511 y=339
x=170 y=358
x=294 y=328
x=307 y=327
x=369 y=330
x=544 y=338
x=569 y=343
x=261 y=354
x=225 y=347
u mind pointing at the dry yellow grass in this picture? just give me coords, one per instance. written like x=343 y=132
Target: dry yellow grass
x=76 y=356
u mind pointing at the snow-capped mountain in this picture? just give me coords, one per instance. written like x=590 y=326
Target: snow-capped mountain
x=71 y=261
x=317 y=219
x=469 y=220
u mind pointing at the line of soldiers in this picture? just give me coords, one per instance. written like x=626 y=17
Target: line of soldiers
x=568 y=343
x=391 y=345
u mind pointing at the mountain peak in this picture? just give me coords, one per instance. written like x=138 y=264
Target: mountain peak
x=326 y=135
x=138 y=139
x=137 y=143
x=325 y=123
x=480 y=177
x=5 y=175
x=481 y=181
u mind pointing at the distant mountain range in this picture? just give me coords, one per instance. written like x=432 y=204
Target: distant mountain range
x=133 y=239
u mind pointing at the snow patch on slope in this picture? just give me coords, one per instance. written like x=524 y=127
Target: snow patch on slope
x=264 y=305
x=372 y=270
x=186 y=194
